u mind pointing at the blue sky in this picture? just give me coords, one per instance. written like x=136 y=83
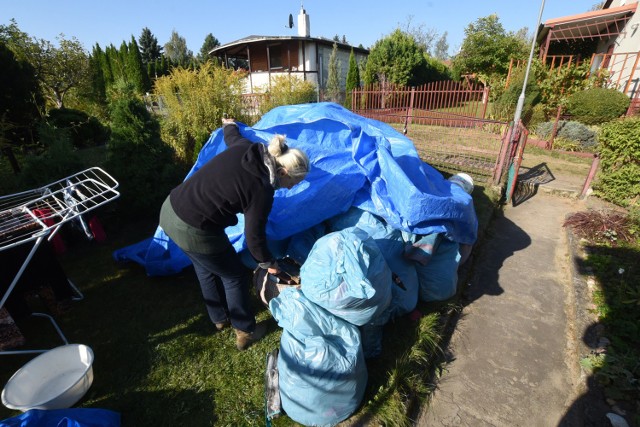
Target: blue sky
x=362 y=22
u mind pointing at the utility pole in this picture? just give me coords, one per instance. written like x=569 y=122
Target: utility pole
x=520 y=105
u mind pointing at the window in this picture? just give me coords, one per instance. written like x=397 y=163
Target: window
x=275 y=56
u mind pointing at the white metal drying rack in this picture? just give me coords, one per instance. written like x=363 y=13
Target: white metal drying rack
x=35 y=215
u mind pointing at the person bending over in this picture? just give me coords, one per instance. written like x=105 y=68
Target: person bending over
x=241 y=179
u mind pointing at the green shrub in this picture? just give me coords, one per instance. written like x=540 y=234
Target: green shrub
x=619 y=176
x=537 y=116
x=566 y=145
x=287 y=90
x=57 y=161
x=569 y=130
x=195 y=101
x=142 y=163
x=597 y=105
x=84 y=130
x=505 y=105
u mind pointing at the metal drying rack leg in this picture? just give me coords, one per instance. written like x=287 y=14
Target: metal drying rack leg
x=37 y=243
x=38 y=214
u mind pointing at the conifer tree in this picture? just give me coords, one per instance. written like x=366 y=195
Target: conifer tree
x=107 y=68
x=96 y=70
x=176 y=50
x=333 y=77
x=119 y=62
x=150 y=50
x=164 y=66
x=135 y=69
x=353 y=79
x=210 y=43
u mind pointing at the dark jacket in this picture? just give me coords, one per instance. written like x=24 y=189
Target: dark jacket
x=235 y=181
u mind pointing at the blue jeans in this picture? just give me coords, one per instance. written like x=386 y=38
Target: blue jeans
x=225 y=287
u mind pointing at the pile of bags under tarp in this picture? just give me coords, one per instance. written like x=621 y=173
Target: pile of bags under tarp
x=374 y=229
x=354 y=279
x=399 y=267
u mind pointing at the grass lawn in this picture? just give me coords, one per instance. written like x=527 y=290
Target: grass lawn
x=158 y=360
x=557 y=161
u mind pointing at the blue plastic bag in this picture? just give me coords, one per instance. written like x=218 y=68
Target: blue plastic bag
x=321 y=367
x=439 y=278
x=346 y=274
x=391 y=243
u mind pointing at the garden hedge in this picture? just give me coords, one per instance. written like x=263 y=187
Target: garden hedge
x=619 y=176
x=596 y=106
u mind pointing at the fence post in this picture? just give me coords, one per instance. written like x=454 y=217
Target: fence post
x=506 y=144
x=410 y=109
x=555 y=129
x=485 y=101
x=512 y=181
x=592 y=174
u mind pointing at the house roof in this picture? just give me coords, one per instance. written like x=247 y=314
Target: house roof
x=240 y=44
x=598 y=24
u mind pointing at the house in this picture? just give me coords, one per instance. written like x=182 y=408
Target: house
x=609 y=38
x=301 y=56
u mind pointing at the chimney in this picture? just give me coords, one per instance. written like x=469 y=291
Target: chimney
x=303 y=23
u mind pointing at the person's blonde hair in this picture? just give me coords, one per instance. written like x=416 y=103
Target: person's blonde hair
x=293 y=160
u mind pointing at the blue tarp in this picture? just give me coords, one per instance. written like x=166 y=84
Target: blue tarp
x=73 y=417
x=355 y=161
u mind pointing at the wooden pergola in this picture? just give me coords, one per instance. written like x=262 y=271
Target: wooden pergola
x=595 y=25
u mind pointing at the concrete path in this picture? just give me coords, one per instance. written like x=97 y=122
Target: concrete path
x=513 y=348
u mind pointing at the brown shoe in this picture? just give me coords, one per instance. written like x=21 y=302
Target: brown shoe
x=222 y=325
x=245 y=339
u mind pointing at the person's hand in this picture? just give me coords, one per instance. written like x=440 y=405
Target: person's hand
x=227 y=120
x=274 y=268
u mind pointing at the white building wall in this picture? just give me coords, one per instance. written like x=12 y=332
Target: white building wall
x=260 y=80
x=313 y=67
x=309 y=56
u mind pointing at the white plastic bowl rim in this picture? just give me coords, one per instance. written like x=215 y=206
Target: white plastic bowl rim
x=80 y=354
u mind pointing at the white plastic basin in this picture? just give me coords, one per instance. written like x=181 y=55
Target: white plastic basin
x=56 y=379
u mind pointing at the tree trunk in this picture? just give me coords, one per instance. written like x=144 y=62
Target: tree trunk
x=8 y=151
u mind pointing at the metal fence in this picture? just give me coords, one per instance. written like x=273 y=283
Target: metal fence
x=446 y=123
x=445 y=97
x=445 y=120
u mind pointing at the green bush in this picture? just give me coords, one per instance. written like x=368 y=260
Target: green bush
x=287 y=90
x=142 y=163
x=619 y=176
x=566 y=145
x=84 y=130
x=194 y=101
x=597 y=105
x=569 y=130
x=58 y=160
x=505 y=105
x=537 y=116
